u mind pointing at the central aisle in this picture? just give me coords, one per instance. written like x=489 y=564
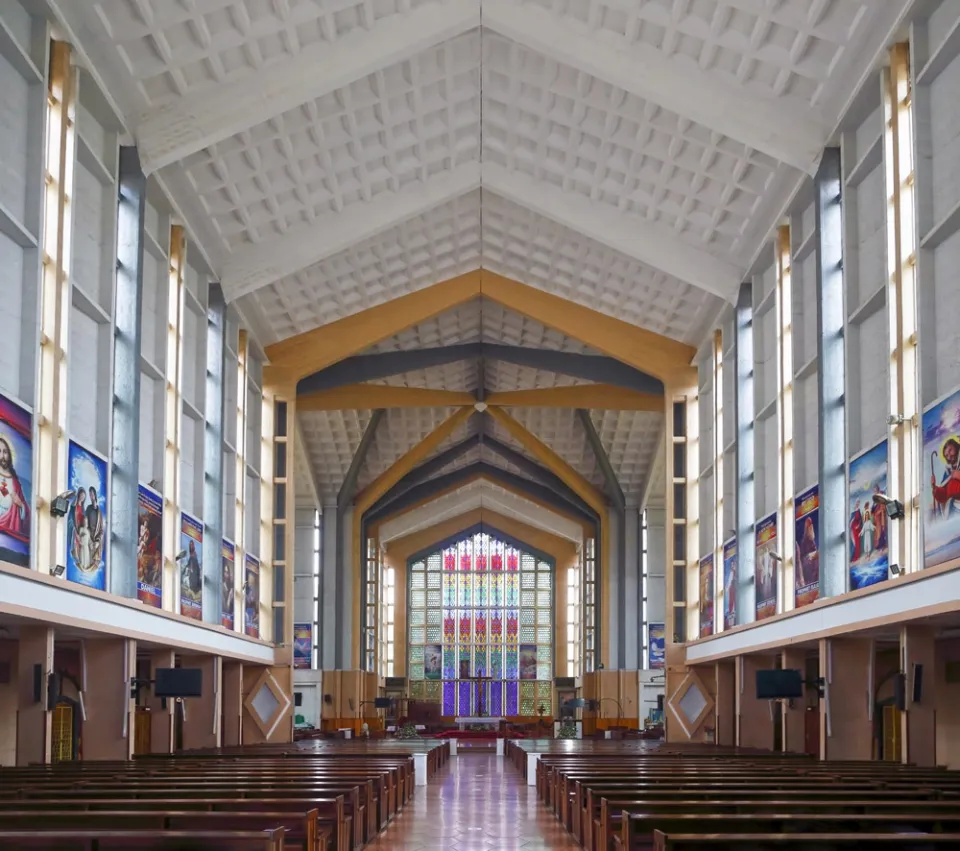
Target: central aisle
x=476 y=802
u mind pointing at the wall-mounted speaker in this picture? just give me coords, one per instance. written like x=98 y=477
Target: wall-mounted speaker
x=298 y=698
x=37 y=683
x=53 y=690
x=917 y=682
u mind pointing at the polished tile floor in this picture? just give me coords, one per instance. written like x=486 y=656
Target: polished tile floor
x=477 y=801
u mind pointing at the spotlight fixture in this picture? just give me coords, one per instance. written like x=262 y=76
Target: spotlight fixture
x=776 y=557
x=896 y=570
x=61 y=503
x=894 y=506
x=180 y=556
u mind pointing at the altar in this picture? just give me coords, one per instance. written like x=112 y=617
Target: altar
x=480 y=721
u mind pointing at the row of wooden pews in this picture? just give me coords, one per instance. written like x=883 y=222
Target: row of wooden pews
x=316 y=796
x=626 y=796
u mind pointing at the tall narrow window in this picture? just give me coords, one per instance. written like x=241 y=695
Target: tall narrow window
x=689 y=521
x=903 y=475
x=388 y=609
x=785 y=488
x=645 y=590
x=55 y=298
x=240 y=522
x=371 y=603
x=574 y=625
x=589 y=610
x=718 y=481
x=171 y=436
x=316 y=587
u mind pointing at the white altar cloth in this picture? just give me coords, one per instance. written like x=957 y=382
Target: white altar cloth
x=485 y=721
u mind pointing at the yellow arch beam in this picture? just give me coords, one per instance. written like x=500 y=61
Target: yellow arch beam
x=304 y=354
x=369 y=396
x=601 y=396
x=551 y=460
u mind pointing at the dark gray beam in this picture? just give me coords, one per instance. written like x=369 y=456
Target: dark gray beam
x=614 y=491
x=524 y=486
x=597 y=368
x=535 y=471
x=349 y=486
x=476 y=529
x=382 y=365
x=434 y=465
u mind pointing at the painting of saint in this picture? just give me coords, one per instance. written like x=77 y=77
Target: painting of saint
x=16 y=473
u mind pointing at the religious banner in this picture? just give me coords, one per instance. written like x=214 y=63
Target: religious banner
x=228 y=585
x=433 y=662
x=766 y=567
x=706 y=596
x=730 y=583
x=87 y=518
x=941 y=488
x=867 y=524
x=302 y=645
x=149 y=547
x=16 y=482
x=528 y=661
x=806 y=567
x=191 y=572
x=656 y=644
x=251 y=597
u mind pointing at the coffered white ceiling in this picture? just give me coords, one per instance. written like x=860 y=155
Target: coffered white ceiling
x=631 y=156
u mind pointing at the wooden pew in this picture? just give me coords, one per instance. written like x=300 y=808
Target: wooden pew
x=302 y=829
x=144 y=840
x=639 y=828
x=804 y=842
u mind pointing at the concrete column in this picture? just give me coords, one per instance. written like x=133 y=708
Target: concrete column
x=328 y=588
x=918 y=723
x=726 y=702
x=201 y=727
x=108 y=730
x=612 y=623
x=845 y=728
x=161 y=717
x=794 y=712
x=232 y=702
x=34 y=722
x=215 y=413
x=754 y=717
x=125 y=460
x=346 y=569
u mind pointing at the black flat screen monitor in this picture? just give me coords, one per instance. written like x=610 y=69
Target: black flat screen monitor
x=777 y=684
x=178 y=682
x=382 y=703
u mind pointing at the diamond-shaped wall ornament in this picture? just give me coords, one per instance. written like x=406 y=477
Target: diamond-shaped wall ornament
x=267 y=703
x=691 y=704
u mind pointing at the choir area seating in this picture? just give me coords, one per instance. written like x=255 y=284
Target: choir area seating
x=629 y=795
x=318 y=796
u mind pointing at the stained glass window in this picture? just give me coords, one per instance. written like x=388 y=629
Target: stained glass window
x=480 y=636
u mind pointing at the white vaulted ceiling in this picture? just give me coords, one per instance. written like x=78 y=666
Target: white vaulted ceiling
x=631 y=156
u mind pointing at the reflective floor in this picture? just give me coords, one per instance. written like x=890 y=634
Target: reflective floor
x=477 y=801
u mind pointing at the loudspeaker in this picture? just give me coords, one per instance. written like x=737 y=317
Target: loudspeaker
x=900 y=691
x=659 y=703
x=298 y=698
x=37 y=683
x=53 y=690
x=917 y=682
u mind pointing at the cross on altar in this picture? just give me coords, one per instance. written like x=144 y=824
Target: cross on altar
x=479 y=679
